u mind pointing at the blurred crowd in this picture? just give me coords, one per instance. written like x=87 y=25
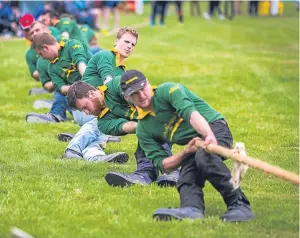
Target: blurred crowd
x=96 y=14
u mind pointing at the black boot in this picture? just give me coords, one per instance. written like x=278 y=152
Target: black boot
x=145 y=174
x=167 y=214
x=239 y=210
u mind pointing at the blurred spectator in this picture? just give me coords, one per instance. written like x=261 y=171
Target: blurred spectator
x=213 y=6
x=94 y=11
x=178 y=6
x=30 y=6
x=229 y=9
x=158 y=7
x=9 y=16
x=253 y=8
x=139 y=7
x=79 y=10
x=195 y=6
x=107 y=7
x=274 y=7
x=237 y=7
x=59 y=7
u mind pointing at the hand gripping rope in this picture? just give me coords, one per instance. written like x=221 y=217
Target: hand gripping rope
x=252 y=162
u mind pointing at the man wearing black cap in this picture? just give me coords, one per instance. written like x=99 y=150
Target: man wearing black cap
x=171 y=113
x=117 y=117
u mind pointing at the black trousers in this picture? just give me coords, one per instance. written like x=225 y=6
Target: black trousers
x=203 y=166
x=158 y=7
x=253 y=8
x=178 y=5
x=214 y=5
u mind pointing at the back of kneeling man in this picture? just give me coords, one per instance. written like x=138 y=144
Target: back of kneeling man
x=171 y=113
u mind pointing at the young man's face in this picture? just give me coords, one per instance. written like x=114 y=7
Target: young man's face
x=91 y=105
x=38 y=29
x=125 y=44
x=143 y=97
x=48 y=52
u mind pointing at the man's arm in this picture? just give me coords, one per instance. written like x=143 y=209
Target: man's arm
x=42 y=66
x=106 y=66
x=177 y=96
x=64 y=89
x=79 y=56
x=110 y=124
x=35 y=75
x=57 y=81
x=199 y=123
x=173 y=162
x=49 y=86
x=153 y=148
x=31 y=63
x=129 y=127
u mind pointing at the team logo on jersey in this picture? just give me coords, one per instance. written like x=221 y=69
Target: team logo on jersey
x=173 y=89
x=76 y=46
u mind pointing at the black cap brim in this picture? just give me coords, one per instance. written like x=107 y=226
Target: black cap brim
x=134 y=88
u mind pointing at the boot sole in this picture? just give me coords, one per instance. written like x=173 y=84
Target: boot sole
x=165 y=217
x=117 y=180
x=249 y=218
x=65 y=137
x=120 y=159
x=166 y=183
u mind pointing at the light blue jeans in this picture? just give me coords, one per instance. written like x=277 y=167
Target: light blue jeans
x=88 y=139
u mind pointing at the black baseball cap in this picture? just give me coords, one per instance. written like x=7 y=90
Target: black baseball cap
x=132 y=81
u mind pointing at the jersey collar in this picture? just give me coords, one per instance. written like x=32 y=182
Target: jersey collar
x=62 y=45
x=118 y=58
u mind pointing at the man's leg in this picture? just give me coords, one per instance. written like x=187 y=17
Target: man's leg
x=168 y=180
x=86 y=145
x=57 y=112
x=191 y=195
x=213 y=169
x=145 y=173
x=154 y=10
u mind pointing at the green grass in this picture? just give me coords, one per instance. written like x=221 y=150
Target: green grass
x=247 y=69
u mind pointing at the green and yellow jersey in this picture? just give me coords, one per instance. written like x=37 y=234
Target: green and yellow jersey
x=102 y=65
x=42 y=67
x=70 y=26
x=170 y=120
x=55 y=32
x=63 y=69
x=87 y=32
x=31 y=58
x=118 y=110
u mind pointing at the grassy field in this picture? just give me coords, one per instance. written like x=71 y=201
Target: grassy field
x=247 y=69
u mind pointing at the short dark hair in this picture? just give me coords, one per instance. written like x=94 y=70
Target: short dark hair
x=51 y=13
x=78 y=90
